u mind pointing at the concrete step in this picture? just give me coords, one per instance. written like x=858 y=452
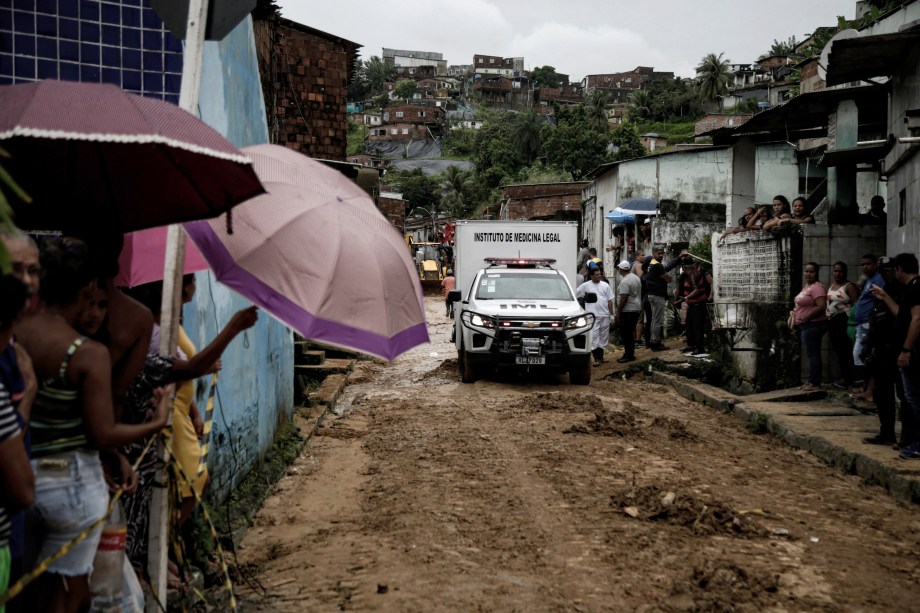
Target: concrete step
x=329 y=391
x=329 y=366
x=310 y=357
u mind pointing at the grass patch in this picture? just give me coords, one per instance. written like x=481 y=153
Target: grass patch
x=357 y=132
x=760 y=423
x=675 y=132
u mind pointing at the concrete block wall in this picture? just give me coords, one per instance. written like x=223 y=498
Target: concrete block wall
x=776 y=172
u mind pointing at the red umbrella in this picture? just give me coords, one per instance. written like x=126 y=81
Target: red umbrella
x=92 y=154
x=142 y=257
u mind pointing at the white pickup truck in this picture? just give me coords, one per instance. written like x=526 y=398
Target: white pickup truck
x=522 y=313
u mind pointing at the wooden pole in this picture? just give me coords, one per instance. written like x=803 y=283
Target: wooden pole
x=171 y=307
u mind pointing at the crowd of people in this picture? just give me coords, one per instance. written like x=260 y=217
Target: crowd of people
x=637 y=307
x=83 y=389
x=872 y=324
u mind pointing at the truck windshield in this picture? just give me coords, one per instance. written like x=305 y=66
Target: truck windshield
x=522 y=287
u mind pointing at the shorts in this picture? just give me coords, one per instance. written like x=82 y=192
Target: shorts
x=859 y=344
x=70 y=496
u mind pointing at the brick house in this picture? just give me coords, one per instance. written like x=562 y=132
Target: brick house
x=305 y=74
x=541 y=200
x=399 y=132
x=494 y=88
x=714 y=121
x=413 y=114
x=497 y=65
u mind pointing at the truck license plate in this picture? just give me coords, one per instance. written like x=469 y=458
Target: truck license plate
x=528 y=359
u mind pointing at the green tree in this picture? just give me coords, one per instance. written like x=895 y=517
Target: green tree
x=640 y=104
x=453 y=181
x=626 y=139
x=525 y=134
x=495 y=156
x=374 y=73
x=712 y=74
x=597 y=108
x=544 y=76
x=405 y=89
x=780 y=47
x=381 y=101
x=418 y=189
x=576 y=144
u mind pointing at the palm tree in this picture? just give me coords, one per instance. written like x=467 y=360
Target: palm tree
x=376 y=73
x=525 y=134
x=452 y=184
x=713 y=76
x=597 y=108
x=641 y=105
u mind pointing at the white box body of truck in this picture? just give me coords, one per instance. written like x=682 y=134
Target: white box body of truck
x=519 y=312
x=475 y=240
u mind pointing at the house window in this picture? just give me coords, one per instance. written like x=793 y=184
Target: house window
x=421 y=113
x=405 y=130
x=394 y=131
x=480 y=60
x=399 y=113
x=902 y=208
x=386 y=116
x=629 y=79
x=491 y=60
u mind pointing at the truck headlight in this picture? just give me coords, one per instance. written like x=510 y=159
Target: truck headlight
x=581 y=321
x=482 y=321
x=479 y=321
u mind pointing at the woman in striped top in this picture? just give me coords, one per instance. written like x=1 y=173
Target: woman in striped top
x=17 y=483
x=72 y=418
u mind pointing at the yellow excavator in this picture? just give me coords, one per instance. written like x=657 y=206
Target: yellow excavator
x=431 y=269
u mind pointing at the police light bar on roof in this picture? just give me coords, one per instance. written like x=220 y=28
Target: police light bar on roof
x=520 y=262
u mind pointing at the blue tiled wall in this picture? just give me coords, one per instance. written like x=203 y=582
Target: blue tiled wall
x=122 y=42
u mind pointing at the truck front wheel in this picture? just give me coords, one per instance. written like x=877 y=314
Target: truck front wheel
x=580 y=372
x=467 y=371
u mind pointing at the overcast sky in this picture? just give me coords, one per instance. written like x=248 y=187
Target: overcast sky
x=577 y=37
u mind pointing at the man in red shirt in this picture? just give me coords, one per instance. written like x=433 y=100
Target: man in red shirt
x=447 y=285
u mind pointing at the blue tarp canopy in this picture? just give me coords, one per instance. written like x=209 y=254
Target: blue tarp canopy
x=617 y=217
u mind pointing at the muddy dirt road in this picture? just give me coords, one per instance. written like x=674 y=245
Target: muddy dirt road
x=536 y=495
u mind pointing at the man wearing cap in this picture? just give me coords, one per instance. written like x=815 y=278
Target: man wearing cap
x=600 y=333
x=447 y=286
x=629 y=308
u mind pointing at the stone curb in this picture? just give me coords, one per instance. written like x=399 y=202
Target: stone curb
x=329 y=390
x=902 y=484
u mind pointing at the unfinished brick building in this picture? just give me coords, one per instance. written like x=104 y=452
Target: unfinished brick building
x=305 y=75
x=542 y=200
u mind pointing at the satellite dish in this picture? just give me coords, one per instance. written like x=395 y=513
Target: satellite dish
x=826 y=52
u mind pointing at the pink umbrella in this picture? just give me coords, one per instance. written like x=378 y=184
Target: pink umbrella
x=91 y=154
x=317 y=254
x=141 y=259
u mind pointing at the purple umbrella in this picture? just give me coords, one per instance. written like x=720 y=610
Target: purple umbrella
x=91 y=154
x=317 y=254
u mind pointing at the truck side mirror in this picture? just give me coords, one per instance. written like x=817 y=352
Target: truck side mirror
x=453 y=295
x=590 y=297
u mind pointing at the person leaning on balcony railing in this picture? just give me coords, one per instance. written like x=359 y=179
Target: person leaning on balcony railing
x=799 y=216
x=753 y=219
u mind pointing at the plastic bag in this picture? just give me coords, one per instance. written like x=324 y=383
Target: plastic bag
x=113 y=584
x=107 y=578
